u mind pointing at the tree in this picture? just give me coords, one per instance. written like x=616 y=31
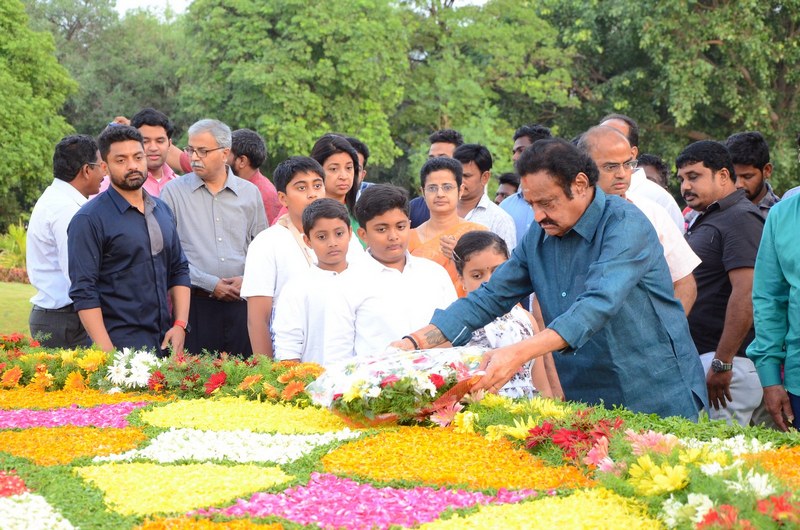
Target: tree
x=35 y=87
x=295 y=70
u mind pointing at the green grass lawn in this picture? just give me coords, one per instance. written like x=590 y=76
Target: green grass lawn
x=15 y=307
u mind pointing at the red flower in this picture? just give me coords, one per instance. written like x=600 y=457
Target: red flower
x=725 y=517
x=437 y=380
x=157 y=381
x=780 y=508
x=215 y=381
x=539 y=434
x=389 y=380
x=337 y=396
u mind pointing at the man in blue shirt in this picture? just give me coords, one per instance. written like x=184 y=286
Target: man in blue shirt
x=776 y=311
x=515 y=205
x=595 y=264
x=125 y=256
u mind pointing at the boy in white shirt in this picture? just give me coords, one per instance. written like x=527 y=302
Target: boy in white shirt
x=396 y=291
x=302 y=324
x=279 y=251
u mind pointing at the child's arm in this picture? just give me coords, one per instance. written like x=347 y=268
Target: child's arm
x=544 y=374
x=289 y=324
x=259 y=312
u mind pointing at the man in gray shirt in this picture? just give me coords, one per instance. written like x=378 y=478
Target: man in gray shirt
x=218 y=215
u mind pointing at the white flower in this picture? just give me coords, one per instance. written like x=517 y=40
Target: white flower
x=236 y=446
x=374 y=392
x=674 y=513
x=737 y=445
x=138 y=377
x=117 y=374
x=758 y=483
x=29 y=510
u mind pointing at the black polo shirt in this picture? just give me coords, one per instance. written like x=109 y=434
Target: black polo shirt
x=726 y=237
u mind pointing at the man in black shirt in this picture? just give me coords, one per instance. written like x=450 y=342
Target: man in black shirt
x=725 y=236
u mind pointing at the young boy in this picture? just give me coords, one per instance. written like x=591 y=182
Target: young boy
x=396 y=291
x=301 y=325
x=279 y=251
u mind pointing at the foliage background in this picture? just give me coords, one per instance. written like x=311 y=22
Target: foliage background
x=393 y=71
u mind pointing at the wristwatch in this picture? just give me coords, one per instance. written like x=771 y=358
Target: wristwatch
x=719 y=366
x=185 y=325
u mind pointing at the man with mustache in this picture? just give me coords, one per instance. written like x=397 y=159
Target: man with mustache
x=218 y=216
x=617 y=333
x=725 y=235
x=125 y=257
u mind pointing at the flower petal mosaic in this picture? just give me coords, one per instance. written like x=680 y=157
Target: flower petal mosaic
x=128 y=440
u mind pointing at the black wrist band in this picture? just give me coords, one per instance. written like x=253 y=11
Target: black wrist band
x=413 y=342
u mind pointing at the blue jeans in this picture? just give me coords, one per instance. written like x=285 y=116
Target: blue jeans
x=794 y=401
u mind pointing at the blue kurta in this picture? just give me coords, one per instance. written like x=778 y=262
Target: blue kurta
x=605 y=288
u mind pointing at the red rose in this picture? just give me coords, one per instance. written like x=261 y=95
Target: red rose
x=215 y=381
x=437 y=380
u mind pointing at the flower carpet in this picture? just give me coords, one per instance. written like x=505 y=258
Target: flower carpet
x=189 y=442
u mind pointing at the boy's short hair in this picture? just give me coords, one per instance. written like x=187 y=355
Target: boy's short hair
x=748 y=149
x=153 y=118
x=324 y=209
x=440 y=163
x=377 y=200
x=293 y=165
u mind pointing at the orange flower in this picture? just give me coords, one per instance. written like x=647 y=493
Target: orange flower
x=783 y=463
x=286 y=377
x=49 y=446
x=75 y=382
x=42 y=380
x=249 y=381
x=445 y=457
x=11 y=377
x=270 y=391
x=292 y=389
x=27 y=397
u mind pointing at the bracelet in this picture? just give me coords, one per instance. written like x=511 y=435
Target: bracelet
x=413 y=341
x=181 y=324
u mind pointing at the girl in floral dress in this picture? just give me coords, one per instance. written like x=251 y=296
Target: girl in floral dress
x=476 y=255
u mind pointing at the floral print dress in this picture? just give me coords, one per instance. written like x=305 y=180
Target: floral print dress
x=511 y=328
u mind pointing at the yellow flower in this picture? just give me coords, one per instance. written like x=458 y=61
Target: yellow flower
x=651 y=479
x=42 y=380
x=464 y=422
x=92 y=360
x=547 y=408
x=496 y=400
x=354 y=392
x=75 y=382
x=496 y=432
x=67 y=357
x=521 y=429
x=146 y=489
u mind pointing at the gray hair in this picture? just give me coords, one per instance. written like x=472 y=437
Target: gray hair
x=220 y=131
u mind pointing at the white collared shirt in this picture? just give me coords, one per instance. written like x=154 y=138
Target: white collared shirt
x=46 y=251
x=386 y=304
x=303 y=325
x=495 y=219
x=645 y=187
x=680 y=257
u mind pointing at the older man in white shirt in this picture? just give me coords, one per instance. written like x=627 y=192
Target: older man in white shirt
x=78 y=171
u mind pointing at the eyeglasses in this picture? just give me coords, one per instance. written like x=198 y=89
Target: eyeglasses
x=613 y=168
x=201 y=152
x=434 y=188
x=93 y=164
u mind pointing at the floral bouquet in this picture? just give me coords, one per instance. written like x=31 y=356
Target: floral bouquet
x=400 y=386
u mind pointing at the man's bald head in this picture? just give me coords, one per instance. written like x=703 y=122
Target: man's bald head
x=601 y=138
x=613 y=155
x=626 y=125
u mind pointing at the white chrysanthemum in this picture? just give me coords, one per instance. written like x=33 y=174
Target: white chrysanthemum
x=674 y=513
x=235 y=446
x=737 y=445
x=759 y=484
x=117 y=373
x=701 y=504
x=143 y=359
x=138 y=377
x=29 y=510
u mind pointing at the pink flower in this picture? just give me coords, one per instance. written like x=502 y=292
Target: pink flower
x=389 y=380
x=651 y=441
x=598 y=453
x=444 y=416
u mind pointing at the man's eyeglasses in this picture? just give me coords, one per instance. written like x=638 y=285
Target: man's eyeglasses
x=613 y=168
x=202 y=152
x=434 y=188
x=93 y=164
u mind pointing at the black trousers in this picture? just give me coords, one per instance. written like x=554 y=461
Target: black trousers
x=58 y=328
x=218 y=326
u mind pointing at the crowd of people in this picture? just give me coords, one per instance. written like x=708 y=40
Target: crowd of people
x=582 y=277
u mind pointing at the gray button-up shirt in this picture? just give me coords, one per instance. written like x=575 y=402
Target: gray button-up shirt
x=215 y=230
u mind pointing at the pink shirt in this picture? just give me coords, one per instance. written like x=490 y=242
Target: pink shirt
x=151 y=185
x=269 y=195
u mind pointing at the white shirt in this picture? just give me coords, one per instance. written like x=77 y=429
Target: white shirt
x=302 y=325
x=495 y=219
x=46 y=247
x=645 y=187
x=681 y=260
x=387 y=304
